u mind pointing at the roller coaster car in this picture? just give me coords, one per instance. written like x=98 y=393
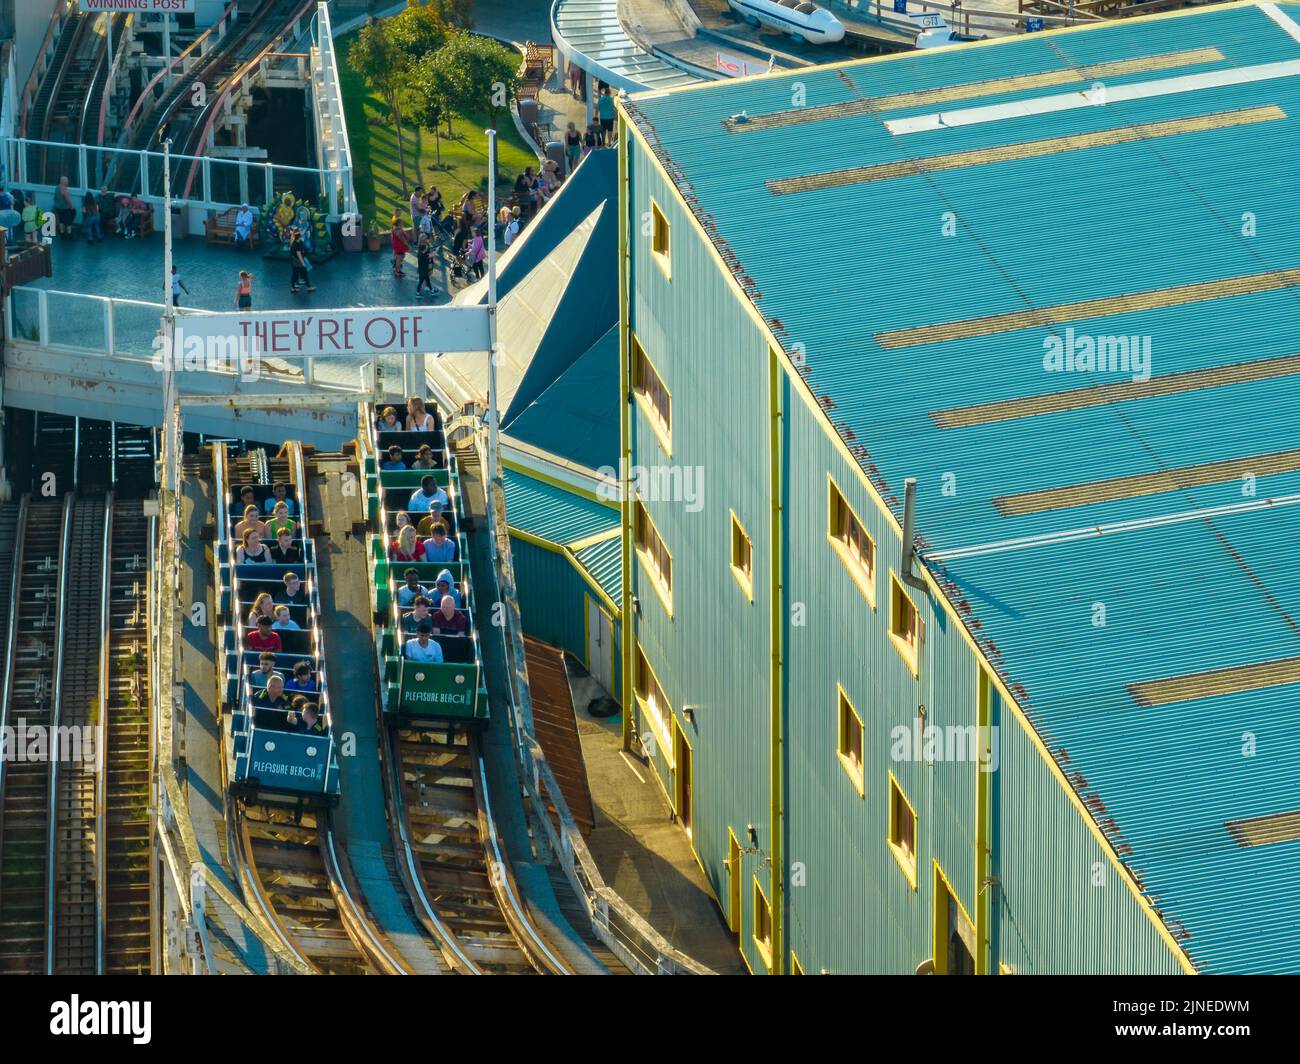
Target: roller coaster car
x=450 y=690
x=801 y=20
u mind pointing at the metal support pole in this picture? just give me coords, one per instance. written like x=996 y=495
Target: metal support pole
x=492 y=311
x=171 y=408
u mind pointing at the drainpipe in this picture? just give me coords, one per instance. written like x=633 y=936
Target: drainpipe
x=909 y=535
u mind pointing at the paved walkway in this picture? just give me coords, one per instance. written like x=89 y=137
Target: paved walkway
x=641 y=853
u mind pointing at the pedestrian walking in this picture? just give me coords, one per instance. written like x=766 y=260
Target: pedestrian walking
x=418 y=207
x=178 y=286
x=301 y=275
x=91 y=221
x=477 y=253
x=572 y=146
x=605 y=110
x=424 y=260
x=400 y=245
x=244 y=291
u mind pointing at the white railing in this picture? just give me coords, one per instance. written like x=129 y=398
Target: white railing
x=331 y=128
x=129 y=330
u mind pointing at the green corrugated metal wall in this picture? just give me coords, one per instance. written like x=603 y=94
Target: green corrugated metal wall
x=849 y=907
x=716 y=625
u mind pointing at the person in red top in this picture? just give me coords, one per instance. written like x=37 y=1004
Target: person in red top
x=263 y=639
x=400 y=245
x=406 y=547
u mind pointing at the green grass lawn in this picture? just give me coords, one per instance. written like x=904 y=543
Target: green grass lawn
x=373 y=137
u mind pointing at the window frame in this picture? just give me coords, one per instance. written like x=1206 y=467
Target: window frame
x=641 y=665
x=659 y=220
x=910 y=652
x=866 y=580
x=907 y=862
x=661 y=426
x=650 y=566
x=744 y=579
x=856 y=774
x=762 y=905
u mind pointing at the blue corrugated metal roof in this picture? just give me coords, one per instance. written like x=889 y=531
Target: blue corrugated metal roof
x=1166 y=215
x=576 y=417
x=604 y=561
x=553 y=513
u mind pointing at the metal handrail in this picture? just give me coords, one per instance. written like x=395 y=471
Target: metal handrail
x=51 y=851
x=108 y=84
x=15 y=585
x=101 y=746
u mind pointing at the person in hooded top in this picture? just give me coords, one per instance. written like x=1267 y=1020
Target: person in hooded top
x=447 y=586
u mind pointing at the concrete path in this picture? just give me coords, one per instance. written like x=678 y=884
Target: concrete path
x=641 y=853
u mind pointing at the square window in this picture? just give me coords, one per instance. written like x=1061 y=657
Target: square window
x=904 y=624
x=902 y=830
x=742 y=558
x=850 y=742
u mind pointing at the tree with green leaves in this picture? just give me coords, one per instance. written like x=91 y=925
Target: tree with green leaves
x=480 y=75
x=382 y=64
x=428 y=98
x=418 y=30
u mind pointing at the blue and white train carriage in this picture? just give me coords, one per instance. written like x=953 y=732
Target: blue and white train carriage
x=802 y=20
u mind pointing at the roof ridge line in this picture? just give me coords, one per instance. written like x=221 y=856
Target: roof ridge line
x=1136 y=525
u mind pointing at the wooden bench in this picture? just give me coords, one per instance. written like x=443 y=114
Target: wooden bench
x=220 y=229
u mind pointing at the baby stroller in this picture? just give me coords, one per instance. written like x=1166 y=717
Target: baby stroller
x=458 y=264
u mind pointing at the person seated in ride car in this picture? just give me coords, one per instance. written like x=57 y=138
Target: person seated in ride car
x=284 y=621
x=447 y=586
x=279 y=493
x=422 y=648
x=252 y=549
x=294 y=594
x=261 y=676
x=424 y=458
x=305 y=718
x=449 y=620
x=285 y=551
x=388 y=420
x=280 y=519
x=271 y=704
x=412 y=589
x=395 y=460
x=302 y=679
x=264 y=638
x=427 y=496
x=419 y=613
x=252 y=519
x=438 y=547
x=406 y=548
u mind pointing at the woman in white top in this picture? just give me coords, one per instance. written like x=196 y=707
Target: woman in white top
x=417 y=418
x=283 y=621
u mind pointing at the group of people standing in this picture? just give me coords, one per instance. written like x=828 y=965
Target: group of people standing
x=102 y=214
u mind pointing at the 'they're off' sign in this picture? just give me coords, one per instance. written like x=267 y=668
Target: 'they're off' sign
x=355 y=332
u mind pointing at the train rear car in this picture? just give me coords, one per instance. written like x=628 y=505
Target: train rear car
x=802 y=20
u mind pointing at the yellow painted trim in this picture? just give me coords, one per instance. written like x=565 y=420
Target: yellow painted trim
x=663 y=432
x=536 y=541
x=866 y=582
x=679 y=735
x=746 y=582
x=983 y=823
x=735 y=877
x=765 y=949
x=796 y=968
x=1005 y=969
x=625 y=434
x=555 y=482
x=665 y=741
x=592 y=540
x=776 y=595
x=663 y=588
x=899 y=855
x=857 y=776
x=966 y=46
x=939 y=955
x=911 y=655
x=662 y=259
x=629 y=132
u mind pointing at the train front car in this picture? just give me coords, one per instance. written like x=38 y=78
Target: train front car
x=801 y=20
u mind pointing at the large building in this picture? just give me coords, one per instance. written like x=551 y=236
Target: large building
x=1054 y=279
